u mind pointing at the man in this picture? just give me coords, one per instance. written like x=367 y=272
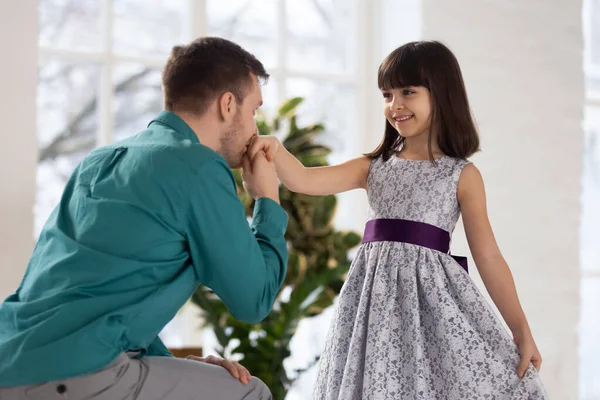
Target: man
x=140 y=224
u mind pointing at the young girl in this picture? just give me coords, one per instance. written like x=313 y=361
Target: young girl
x=410 y=323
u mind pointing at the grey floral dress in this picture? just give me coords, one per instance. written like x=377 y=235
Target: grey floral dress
x=410 y=323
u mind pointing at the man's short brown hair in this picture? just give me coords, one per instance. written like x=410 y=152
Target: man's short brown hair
x=197 y=73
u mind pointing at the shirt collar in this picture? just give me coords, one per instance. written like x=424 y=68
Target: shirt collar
x=173 y=121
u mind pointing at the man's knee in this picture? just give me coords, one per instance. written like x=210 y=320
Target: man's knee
x=258 y=390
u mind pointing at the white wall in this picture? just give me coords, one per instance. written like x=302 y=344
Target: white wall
x=522 y=63
x=18 y=154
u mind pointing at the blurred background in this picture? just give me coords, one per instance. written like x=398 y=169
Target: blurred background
x=77 y=74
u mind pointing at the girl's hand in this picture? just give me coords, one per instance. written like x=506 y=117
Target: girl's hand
x=315 y=181
x=268 y=144
x=529 y=353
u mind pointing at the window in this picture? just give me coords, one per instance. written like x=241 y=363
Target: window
x=590 y=219
x=309 y=48
x=99 y=79
x=100 y=65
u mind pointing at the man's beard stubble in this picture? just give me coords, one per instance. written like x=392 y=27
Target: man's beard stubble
x=229 y=142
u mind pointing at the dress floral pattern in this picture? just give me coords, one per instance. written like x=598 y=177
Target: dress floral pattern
x=410 y=323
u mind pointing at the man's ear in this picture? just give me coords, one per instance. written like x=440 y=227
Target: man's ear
x=227 y=106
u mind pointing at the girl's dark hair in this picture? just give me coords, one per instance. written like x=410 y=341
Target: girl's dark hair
x=432 y=65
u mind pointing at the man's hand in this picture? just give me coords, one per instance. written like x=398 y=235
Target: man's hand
x=268 y=144
x=260 y=177
x=235 y=369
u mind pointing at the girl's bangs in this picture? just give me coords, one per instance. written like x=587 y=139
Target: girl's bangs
x=402 y=68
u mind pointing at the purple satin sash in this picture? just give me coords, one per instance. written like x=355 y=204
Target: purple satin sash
x=417 y=233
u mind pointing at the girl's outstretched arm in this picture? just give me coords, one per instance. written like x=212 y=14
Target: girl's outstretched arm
x=317 y=181
x=491 y=265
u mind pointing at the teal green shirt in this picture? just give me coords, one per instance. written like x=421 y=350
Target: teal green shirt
x=140 y=224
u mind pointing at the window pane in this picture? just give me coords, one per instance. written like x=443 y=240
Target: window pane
x=592 y=82
x=72 y=24
x=250 y=23
x=67 y=124
x=271 y=102
x=590 y=345
x=330 y=103
x=148 y=27
x=321 y=35
x=590 y=219
x=138 y=98
x=595 y=32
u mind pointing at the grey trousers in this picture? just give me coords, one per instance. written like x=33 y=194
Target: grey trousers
x=149 y=378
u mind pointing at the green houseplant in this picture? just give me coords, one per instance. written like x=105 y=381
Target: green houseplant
x=317 y=265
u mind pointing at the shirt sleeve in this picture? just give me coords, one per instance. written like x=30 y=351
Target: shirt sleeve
x=244 y=265
x=158 y=349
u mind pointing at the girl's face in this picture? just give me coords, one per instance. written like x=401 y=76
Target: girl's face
x=408 y=110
